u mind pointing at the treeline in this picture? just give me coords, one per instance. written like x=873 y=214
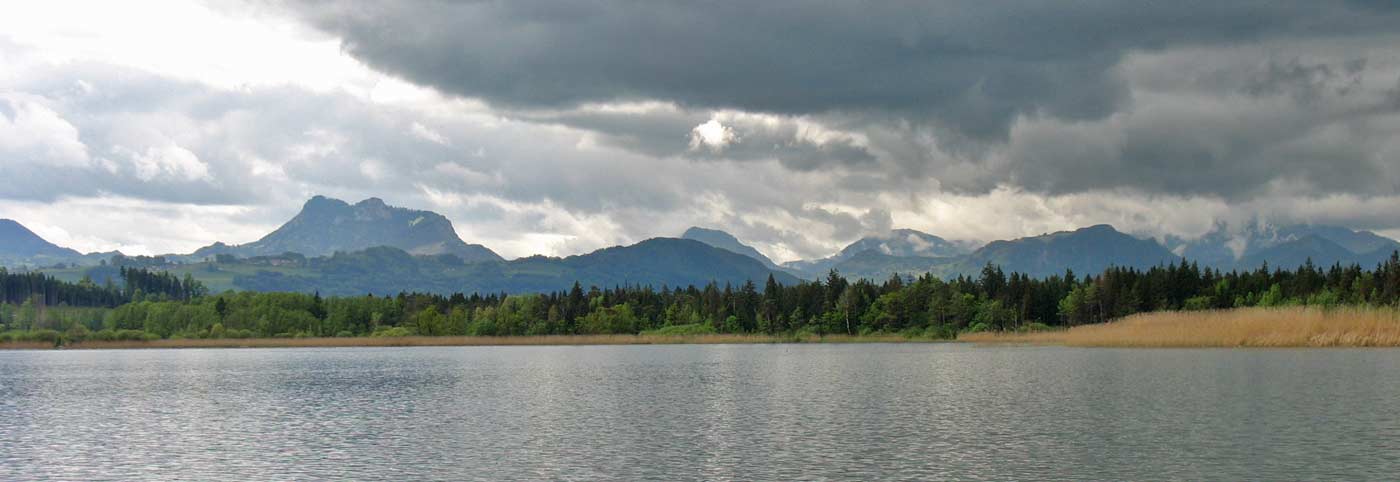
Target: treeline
x=136 y=284
x=924 y=306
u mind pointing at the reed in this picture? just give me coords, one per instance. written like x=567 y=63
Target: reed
x=643 y=339
x=1243 y=327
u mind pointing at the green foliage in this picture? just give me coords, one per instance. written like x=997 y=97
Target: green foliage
x=683 y=330
x=1198 y=303
x=395 y=332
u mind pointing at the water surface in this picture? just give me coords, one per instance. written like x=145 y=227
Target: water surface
x=773 y=412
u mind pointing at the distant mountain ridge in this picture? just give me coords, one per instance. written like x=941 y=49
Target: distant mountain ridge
x=656 y=262
x=895 y=249
x=1285 y=246
x=19 y=243
x=334 y=239
x=325 y=226
x=1086 y=251
x=727 y=242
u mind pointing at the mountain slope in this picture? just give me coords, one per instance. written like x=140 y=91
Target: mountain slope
x=656 y=262
x=1292 y=254
x=727 y=242
x=19 y=245
x=905 y=242
x=878 y=266
x=899 y=243
x=1087 y=250
x=1284 y=246
x=325 y=226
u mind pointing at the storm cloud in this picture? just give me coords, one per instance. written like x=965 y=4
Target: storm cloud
x=1054 y=98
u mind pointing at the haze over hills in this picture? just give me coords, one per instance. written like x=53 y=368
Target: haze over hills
x=727 y=242
x=1284 y=246
x=893 y=248
x=325 y=226
x=1086 y=251
x=20 y=244
x=656 y=262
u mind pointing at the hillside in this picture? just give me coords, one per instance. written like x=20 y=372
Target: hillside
x=1086 y=250
x=1284 y=246
x=877 y=266
x=897 y=244
x=727 y=242
x=383 y=270
x=19 y=245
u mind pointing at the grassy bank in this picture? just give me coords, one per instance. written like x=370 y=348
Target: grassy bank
x=1244 y=327
x=643 y=339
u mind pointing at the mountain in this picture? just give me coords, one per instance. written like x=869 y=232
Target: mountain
x=897 y=244
x=1294 y=253
x=1086 y=251
x=904 y=243
x=727 y=242
x=19 y=245
x=325 y=226
x=1285 y=246
x=877 y=266
x=384 y=270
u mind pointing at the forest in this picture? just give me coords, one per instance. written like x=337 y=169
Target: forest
x=153 y=304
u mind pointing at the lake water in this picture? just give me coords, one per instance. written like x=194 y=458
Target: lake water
x=767 y=412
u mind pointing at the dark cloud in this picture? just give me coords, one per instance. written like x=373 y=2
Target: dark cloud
x=665 y=131
x=971 y=66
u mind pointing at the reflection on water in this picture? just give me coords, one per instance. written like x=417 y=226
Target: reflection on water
x=774 y=412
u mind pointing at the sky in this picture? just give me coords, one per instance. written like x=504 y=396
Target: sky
x=558 y=128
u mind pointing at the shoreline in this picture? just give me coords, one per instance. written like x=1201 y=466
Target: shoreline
x=439 y=341
x=1288 y=327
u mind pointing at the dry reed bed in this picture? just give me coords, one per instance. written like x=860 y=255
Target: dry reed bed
x=1244 y=327
x=465 y=341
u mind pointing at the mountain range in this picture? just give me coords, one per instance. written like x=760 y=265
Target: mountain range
x=370 y=247
x=325 y=226
x=1284 y=246
x=873 y=256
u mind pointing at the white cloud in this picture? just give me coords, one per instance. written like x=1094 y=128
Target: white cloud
x=30 y=132
x=233 y=47
x=169 y=162
x=712 y=135
x=427 y=133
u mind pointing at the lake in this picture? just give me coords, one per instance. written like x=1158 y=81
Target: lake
x=713 y=412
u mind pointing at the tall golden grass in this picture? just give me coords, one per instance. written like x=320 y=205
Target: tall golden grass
x=707 y=339
x=1243 y=327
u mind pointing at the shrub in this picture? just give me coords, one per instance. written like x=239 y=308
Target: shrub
x=395 y=332
x=683 y=330
x=1198 y=303
x=911 y=333
x=1035 y=327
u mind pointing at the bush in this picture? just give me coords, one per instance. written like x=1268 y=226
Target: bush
x=912 y=333
x=1035 y=327
x=808 y=332
x=47 y=336
x=976 y=328
x=940 y=332
x=344 y=334
x=395 y=332
x=691 y=329
x=1198 y=303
